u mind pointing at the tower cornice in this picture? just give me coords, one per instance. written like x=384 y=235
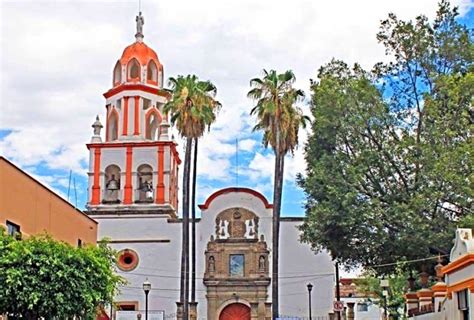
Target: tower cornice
x=136 y=144
x=137 y=86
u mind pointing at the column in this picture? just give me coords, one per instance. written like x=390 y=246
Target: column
x=136 y=123
x=411 y=300
x=193 y=310
x=127 y=199
x=439 y=293
x=425 y=298
x=95 y=200
x=125 y=116
x=160 y=188
x=254 y=311
x=350 y=310
x=179 y=310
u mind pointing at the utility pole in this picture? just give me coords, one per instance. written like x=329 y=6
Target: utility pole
x=338 y=291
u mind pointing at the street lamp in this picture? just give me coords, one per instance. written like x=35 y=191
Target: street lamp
x=310 y=287
x=146 y=289
x=384 y=285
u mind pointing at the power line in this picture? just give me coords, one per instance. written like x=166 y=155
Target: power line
x=406 y=262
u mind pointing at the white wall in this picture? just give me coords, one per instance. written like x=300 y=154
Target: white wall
x=160 y=262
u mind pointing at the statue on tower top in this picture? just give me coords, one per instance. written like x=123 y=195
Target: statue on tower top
x=140 y=22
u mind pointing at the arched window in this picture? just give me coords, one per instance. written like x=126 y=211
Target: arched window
x=145 y=183
x=112 y=184
x=133 y=70
x=117 y=73
x=153 y=126
x=112 y=126
x=152 y=72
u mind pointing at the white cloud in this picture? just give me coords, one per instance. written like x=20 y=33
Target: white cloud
x=247 y=145
x=57 y=60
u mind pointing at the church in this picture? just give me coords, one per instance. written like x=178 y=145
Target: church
x=133 y=195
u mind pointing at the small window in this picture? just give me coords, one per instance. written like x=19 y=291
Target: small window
x=152 y=72
x=127 y=306
x=113 y=126
x=463 y=303
x=362 y=307
x=146 y=103
x=12 y=228
x=236 y=265
x=134 y=69
x=79 y=243
x=117 y=73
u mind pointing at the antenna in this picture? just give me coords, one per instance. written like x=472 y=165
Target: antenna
x=69 y=185
x=75 y=190
x=237 y=162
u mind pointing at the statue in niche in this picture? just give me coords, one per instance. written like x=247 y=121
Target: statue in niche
x=237 y=228
x=261 y=263
x=211 y=266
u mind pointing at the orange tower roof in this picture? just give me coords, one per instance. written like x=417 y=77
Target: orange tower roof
x=140 y=51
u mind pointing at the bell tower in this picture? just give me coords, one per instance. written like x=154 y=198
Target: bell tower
x=135 y=168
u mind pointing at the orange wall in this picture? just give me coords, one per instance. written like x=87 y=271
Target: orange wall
x=36 y=209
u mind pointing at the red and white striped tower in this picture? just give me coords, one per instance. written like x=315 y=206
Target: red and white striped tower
x=136 y=167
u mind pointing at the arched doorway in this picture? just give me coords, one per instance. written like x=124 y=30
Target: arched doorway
x=235 y=311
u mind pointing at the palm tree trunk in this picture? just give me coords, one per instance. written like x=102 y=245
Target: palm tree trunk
x=184 y=288
x=277 y=193
x=193 y=224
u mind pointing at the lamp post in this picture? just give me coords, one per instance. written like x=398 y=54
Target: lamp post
x=146 y=289
x=310 y=287
x=384 y=285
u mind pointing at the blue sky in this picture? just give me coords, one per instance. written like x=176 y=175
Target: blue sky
x=57 y=60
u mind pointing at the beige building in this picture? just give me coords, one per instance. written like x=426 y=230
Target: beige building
x=27 y=207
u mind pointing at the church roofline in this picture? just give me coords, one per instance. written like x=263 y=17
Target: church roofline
x=236 y=190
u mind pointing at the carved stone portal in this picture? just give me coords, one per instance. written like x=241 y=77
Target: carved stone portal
x=237 y=265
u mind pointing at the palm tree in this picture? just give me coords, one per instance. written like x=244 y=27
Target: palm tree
x=280 y=121
x=192 y=108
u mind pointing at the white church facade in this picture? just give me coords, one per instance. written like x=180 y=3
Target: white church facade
x=133 y=195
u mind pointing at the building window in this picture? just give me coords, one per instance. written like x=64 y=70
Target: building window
x=236 y=265
x=127 y=260
x=79 y=243
x=13 y=228
x=463 y=304
x=362 y=307
x=127 y=306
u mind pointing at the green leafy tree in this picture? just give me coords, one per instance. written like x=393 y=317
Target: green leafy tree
x=389 y=162
x=193 y=108
x=42 y=277
x=369 y=284
x=280 y=121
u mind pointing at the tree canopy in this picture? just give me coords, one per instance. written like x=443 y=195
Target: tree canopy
x=389 y=161
x=42 y=277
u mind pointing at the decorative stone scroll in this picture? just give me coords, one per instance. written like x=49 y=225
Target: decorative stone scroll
x=237 y=223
